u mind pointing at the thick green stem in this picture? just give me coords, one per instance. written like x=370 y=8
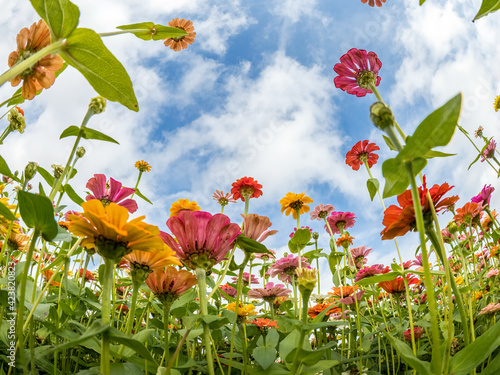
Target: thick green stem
x=201 y=276
x=107 y=282
x=305 y=302
x=30 y=61
x=166 y=313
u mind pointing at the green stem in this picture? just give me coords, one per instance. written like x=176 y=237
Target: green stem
x=107 y=282
x=4 y=135
x=201 y=276
x=33 y=59
x=176 y=353
x=166 y=313
x=137 y=183
x=379 y=98
x=306 y=293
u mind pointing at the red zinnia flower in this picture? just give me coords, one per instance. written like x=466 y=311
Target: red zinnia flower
x=88 y=275
x=362 y=152
x=246 y=186
x=417 y=332
x=468 y=213
x=373 y=2
x=356 y=71
x=263 y=323
x=400 y=220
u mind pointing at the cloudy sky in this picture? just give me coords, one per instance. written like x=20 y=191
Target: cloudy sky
x=254 y=96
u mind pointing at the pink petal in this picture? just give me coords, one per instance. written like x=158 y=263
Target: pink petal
x=97 y=185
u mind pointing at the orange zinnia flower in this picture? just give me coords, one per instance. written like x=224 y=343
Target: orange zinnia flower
x=246 y=186
x=468 y=213
x=264 y=323
x=154 y=259
x=41 y=75
x=314 y=311
x=169 y=283
x=343 y=291
x=184 y=41
x=291 y=203
x=397 y=285
x=344 y=240
x=399 y=220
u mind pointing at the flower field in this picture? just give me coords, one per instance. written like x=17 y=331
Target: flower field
x=89 y=286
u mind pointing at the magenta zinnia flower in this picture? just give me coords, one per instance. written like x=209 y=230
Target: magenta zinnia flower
x=484 y=196
x=270 y=292
x=285 y=267
x=115 y=193
x=376 y=269
x=490 y=151
x=339 y=221
x=321 y=211
x=255 y=227
x=362 y=152
x=203 y=240
x=356 y=71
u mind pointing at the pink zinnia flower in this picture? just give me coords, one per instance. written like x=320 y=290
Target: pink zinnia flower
x=247 y=279
x=266 y=257
x=295 y=230
x=417 y=332
x=418 y=261
x=321 y=211
x=373 y=2
x=484 y=196
x=285 y=267
x=491 y=308
x=491 y=273
x=340 y=220
x=201 y=240
x=115 y=193
x=223 y=199
x=349 y=300
x=362 y=152
x=376 y=269
x=489 y=152
x=270 y=292
x=255 y=227
x=356 y=70
x=229 y=290
x=358 y=256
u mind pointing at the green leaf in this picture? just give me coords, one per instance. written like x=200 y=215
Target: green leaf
x=372 y=184
x=389 y=143
x=85 y=51
x=85 y=133
x=437 y=154
x=475 y=353
x=396 y=175
x=487 y=7
x=299 y=241
x=4 y=169
x=46 y=175
x=134 y=344
x=405 y=352
x=38 y=212
x=319 y=367
x=264 y=356
x=6 y=213
x=493 y=366
x=61 y=16
x=139 y=194
x=422 y=1
x=378 y=278
x=251 y=246
x=148 y=31
x=289 y=344
x=72 y=195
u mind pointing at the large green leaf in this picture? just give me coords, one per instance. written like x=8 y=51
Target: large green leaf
x=46 y=175
x=38 y=212
x=487 y=7
x=72 y=195
x=251 y=246
x=86 y=52
x=85 y=133
x=264 y=356
x=61 y=16
x=475 y=353
x=4 y=169
x=134 y=344
x=148 y=31
x=405 y=352
x=7 y=213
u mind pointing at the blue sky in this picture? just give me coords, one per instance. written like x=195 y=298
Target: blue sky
x=254 y=96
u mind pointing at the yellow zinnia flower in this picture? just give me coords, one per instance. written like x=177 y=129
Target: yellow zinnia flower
x=143 y=166
x=243 y=310
x=153 y=260
x=183 y=205
x=107 y=229
x=496 y=103
x=291 y=203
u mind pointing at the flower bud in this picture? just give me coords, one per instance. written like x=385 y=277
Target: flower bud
x=315 y=235
x=30 y=171
x=80 y=152
x=16 y=120
x=98 y=104
x=58 y=170
x=381 y=115
x=307 y=279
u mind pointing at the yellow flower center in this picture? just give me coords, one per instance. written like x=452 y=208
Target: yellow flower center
x=364 y=79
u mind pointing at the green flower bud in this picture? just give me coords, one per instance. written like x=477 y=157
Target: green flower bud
x=307 y=279
x=16 y=120
x=315 y=235
x=30 y=171
x=58 y=170
x=381 y=115
x=98 y=104
x=80 y=152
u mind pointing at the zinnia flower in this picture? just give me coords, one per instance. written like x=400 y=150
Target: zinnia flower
x=491 y=308
x=332 y=308
x=349 y=300
x=243 y=310
x=397 y=285
x=264 y=323
x=358 y=256
x=489 y=152
x=362 y=152
x=183 y=205
x=295 y=230
x=247 y=279
x=114 y=193
x=469 y=212
x=284 y=268
x=321 y=211
x=373 y=2
x=223 y=199
x=270 y=292
x=484 y=196
x=376 y=269
x=399 y=220
x=203 y=240
x=41 y=75
x=246 y=187
x=293 y=203
x=496 y=103
x=345 y=240
x=184 y=41
x=265 y=257
x=255 y=227
x=143 y=166
x=356 y=71
x=486 y=222
x=229 y=290
x=417 y=333
x=88 y=275
x=479 y=132
x=340 y=221
x=150 y=261
x=169 y=283
x=106 y=228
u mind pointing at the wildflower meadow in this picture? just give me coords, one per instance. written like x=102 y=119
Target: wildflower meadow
x=88 y=285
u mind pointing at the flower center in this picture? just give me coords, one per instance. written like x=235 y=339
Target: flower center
x=364 y=79
x=297 y=205
x=223 y=201
x=246 y=191
x=363 y=156
x=105 y=201
x=23 y=55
